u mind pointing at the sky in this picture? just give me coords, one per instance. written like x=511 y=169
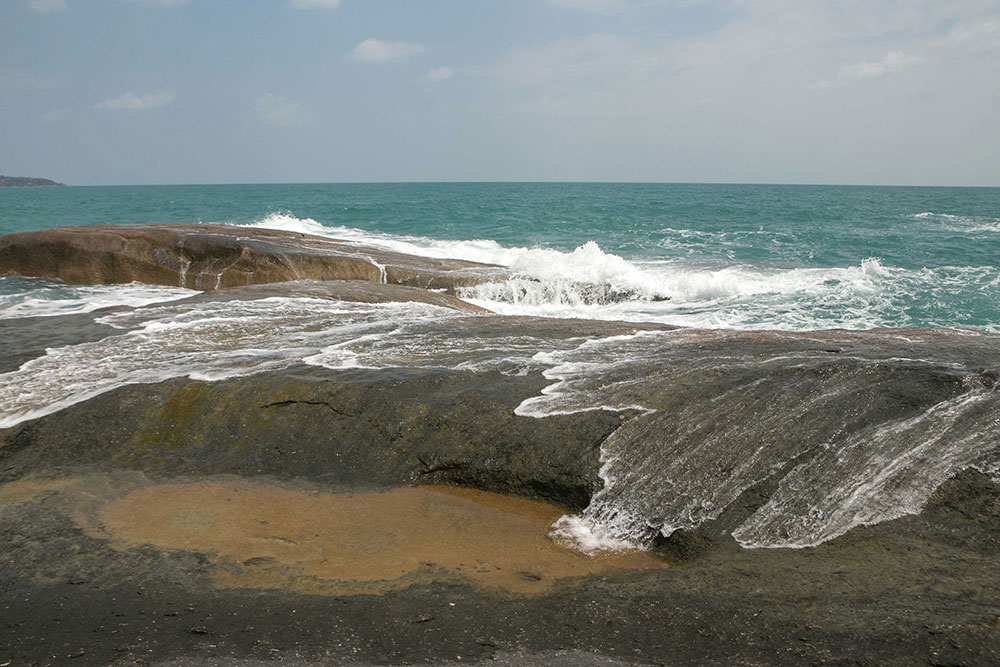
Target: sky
x=736 y=91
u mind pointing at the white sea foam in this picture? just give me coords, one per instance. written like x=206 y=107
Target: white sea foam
x=688 y=295
x=203 y=341
x=670 y=467
x=587 y=264
x=38 y=298
x=485 y=251
x=966 y=224
x=877 y=474
x=589 y=536
x=212 y=340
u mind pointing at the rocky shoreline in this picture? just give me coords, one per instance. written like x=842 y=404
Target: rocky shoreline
x=918 y=589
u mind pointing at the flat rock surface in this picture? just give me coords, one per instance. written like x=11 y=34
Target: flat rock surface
x=354 y=427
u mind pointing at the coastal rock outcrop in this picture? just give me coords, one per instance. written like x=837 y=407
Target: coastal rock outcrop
x=212 y=257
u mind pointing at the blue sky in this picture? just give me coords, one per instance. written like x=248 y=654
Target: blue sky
x=217 y=91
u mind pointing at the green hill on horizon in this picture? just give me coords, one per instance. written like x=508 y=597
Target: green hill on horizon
x=26 y=181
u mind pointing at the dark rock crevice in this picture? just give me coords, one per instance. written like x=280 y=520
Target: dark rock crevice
x=325 y=404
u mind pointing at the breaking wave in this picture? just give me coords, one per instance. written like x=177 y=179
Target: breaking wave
x=588 y=282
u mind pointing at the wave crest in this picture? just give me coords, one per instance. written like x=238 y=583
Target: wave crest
x=590 y=282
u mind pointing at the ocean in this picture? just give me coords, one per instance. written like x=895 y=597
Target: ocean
x=837 y=342
x=780 y=257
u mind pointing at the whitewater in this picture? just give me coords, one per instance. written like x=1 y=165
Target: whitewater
x=588 y=282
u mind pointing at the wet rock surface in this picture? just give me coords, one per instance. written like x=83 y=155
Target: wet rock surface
x=346 y=290
x=781 y=439
x=918 y=589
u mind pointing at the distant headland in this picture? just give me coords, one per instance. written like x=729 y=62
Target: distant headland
x=26 y=181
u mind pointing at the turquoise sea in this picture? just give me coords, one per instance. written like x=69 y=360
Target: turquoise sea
x=718 y=256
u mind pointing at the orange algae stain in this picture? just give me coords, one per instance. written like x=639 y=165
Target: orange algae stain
x=264 y=535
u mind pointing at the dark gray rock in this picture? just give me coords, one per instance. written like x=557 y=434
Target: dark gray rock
x=353 y=427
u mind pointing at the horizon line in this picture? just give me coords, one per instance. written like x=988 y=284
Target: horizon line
x=517 y=182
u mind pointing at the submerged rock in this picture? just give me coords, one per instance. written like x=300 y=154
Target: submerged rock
x=211 y=257
x=358 y=291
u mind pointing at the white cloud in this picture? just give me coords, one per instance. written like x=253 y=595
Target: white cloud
x=436 y=74
x=132 y=102
x=53 y=115
x=592 y=6
x=979 y=36
x=276 y=109
x=891 y=62
x=315 y=4
x=376 y=51
x=161 y=3
x=48 y=6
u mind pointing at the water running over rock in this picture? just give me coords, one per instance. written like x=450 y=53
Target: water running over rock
x=850 y=429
